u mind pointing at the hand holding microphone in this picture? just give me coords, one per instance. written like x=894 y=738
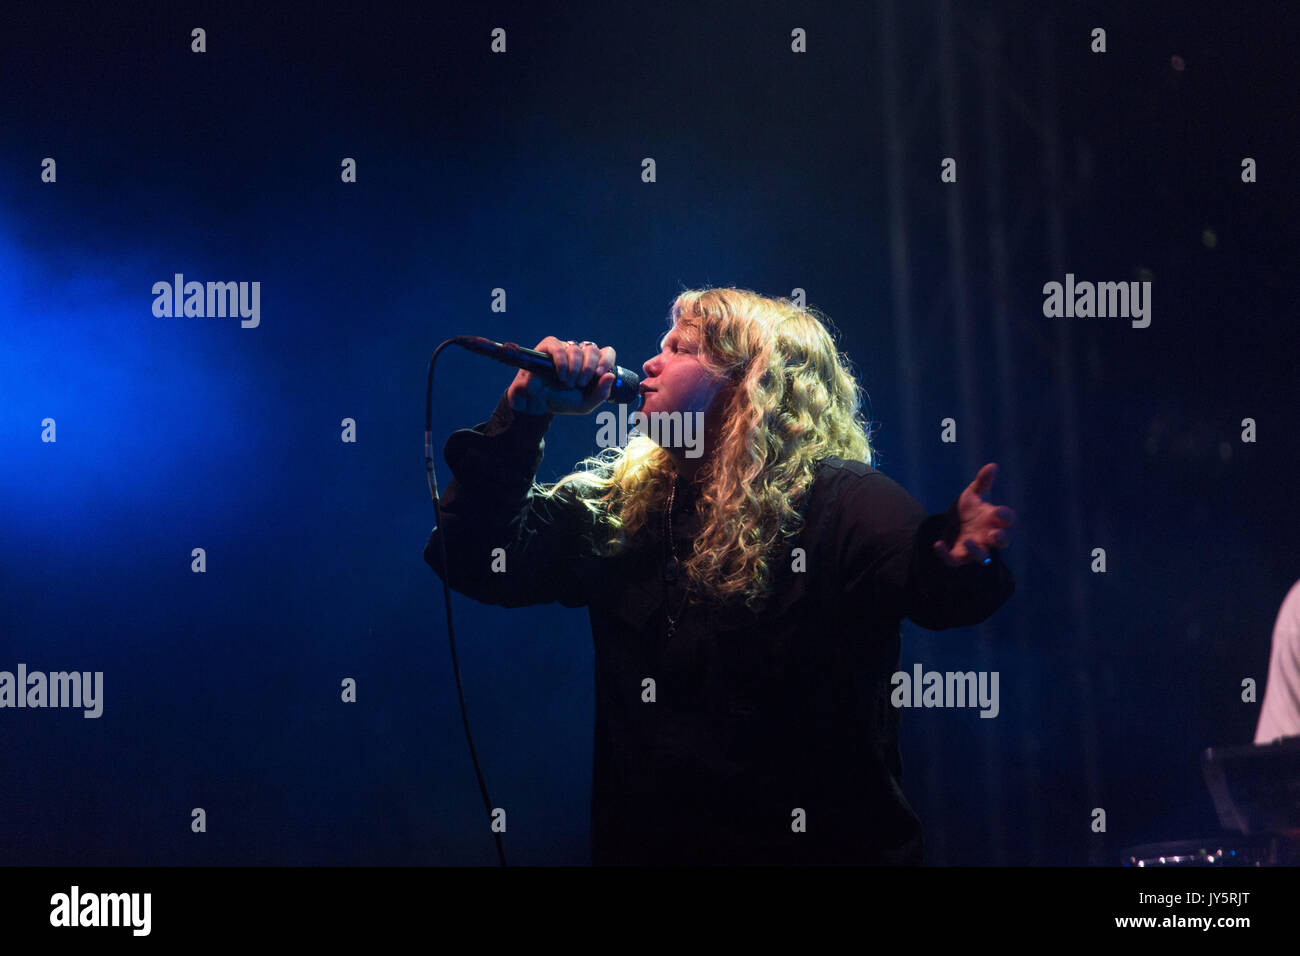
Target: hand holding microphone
x=586 y=378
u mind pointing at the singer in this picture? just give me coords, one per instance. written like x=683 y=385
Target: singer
x=745 y=604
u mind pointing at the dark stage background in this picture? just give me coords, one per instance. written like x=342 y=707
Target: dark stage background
x=775 y=171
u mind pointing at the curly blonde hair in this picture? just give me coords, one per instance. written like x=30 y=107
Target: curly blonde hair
x=795 y=402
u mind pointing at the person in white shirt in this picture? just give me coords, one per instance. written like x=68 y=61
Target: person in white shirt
x=1280 y=715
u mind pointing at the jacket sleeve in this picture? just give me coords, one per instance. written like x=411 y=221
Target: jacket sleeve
x=546 y=552
x=883 y=546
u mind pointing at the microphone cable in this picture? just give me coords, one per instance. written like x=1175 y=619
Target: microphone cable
x=446 y=589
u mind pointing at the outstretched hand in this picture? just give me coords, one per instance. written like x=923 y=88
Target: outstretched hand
x=983 y=524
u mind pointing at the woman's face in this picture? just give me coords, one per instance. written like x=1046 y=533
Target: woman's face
x=675 y=379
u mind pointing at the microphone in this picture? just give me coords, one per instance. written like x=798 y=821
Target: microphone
x=627 y=384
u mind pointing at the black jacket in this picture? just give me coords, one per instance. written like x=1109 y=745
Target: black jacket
x=756 y=717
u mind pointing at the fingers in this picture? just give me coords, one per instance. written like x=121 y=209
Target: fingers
x=974 y=551
x=571 y=364
x=974 y=554
x=576 y=364
x=984 y=479
x=588 y=359
x=595 y=363
x=561 y=355
x=608 y=360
